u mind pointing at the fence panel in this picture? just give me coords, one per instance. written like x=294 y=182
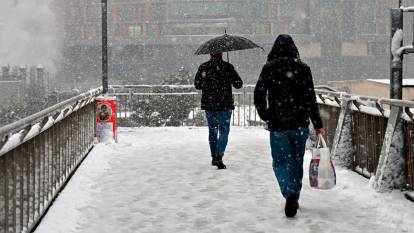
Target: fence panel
x=37 y=156
x=329 y=115
x=368 y=135
x=172 y=105
x=409 y=153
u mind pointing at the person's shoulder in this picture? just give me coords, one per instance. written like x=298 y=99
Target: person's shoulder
x=204 y=64
x=227 y=64
x=301 y=63
x=272 y=64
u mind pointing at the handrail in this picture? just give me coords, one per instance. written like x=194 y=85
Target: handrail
x=390 y=102
x=149 y=86
x=17 y=133
x=23 y=123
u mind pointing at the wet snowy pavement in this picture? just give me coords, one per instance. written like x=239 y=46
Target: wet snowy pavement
x=161 y=180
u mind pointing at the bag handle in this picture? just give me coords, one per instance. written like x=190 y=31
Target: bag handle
x=321 y=139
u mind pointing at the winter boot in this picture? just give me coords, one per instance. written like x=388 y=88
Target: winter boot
x=214 y=161
x=291 y=206
x=220 y=164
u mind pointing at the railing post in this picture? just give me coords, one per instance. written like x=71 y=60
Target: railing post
x=396 y=69
x=2 y=194
x=104 y=5
x=342 y=143
x=390 y=170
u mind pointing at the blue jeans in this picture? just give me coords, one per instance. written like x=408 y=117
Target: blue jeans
x=218 y=131
x=288 y=150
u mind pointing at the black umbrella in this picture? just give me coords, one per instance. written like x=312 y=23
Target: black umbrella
x=226 y=43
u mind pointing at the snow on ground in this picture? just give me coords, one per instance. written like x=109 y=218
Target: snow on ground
x=161 y=180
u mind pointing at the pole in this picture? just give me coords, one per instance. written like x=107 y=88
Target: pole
x=104 y=46
x=396 y=69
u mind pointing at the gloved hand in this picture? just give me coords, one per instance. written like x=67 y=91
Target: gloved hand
x=320 y=131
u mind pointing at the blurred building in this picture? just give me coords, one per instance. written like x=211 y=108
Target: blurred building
x=153 y=38
x=17 y=84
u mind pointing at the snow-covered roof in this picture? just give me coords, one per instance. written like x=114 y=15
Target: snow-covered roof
x=406 y=82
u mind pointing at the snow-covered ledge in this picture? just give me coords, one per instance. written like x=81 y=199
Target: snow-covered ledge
x=407 y=9
x=390 y=170
x=342 y=147
x=396 y=49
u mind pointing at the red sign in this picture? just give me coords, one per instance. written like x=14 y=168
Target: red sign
x=106 y=118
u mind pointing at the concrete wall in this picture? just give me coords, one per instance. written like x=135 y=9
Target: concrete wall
x=369 y=88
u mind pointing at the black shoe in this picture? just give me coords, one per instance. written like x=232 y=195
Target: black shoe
x=214 y=161
x=220 y=164
x=291 y=207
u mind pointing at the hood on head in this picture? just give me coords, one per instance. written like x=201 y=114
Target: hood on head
x=283 y=47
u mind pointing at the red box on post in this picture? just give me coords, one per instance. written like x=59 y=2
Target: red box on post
x=106 y=128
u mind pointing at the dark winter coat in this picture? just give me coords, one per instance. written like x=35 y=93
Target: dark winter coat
x=288 y=84
x=216 y=78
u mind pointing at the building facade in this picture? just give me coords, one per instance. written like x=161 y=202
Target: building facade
x=150 y=39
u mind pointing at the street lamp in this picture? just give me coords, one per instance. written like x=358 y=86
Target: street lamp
x=104 y=5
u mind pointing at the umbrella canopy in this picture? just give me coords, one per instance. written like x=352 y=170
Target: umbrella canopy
x=226 y=43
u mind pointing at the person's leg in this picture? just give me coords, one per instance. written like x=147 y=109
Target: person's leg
x=297 y=141
x=224 y=130
x=279 y=143
x=212 y=122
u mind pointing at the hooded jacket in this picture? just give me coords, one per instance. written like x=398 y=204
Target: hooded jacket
x=288 y=84
x=216 y=78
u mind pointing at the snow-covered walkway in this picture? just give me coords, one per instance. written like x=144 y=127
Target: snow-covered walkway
x=160 y=180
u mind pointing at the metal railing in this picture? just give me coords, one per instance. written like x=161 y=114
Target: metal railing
x=368 y=129
x=329 y=117
x=37 y=156
x=368 y=135
x=409 y=154
x=176 y=105
x=369 y=117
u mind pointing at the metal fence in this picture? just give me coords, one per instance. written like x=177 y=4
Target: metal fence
x=369 y=118
x=37 y=156
x=368 y=135
x=176 y=105
x=409 y=154
x=368 y=128
x=329 y=117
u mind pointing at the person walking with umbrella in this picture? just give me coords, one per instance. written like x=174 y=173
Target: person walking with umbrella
x=285 y=98
x=216 y=78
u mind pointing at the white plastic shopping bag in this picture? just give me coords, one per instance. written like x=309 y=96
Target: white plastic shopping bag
x=321 y=169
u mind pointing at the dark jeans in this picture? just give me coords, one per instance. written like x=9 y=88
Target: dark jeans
x=218 y=131
x=288 y=150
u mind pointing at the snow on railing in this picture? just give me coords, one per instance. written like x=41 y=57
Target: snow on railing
x=43 y=120
x=37 y=156
x=407 y=9
x=375 y=134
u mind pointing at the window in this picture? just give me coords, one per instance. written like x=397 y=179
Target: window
x=197 y=10
x=157 y=12
x=134 y=31
x=125 y=13
x=93 y=13
x=294 y=15
x=367 y=17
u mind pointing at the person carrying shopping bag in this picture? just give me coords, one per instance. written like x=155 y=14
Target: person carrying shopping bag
x=285 y=99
